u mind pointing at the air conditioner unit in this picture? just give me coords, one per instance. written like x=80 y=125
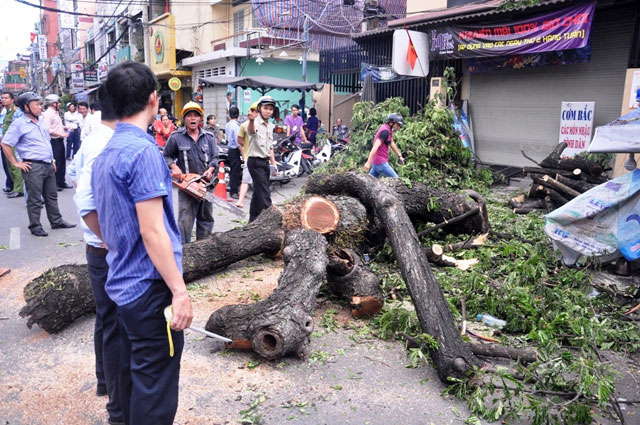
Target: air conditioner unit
x=437 y=91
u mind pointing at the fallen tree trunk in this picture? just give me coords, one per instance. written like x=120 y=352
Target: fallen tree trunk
x=452 y=358
x=56 y=298
x=561 y=188
x=282 y=323
x=351 y=278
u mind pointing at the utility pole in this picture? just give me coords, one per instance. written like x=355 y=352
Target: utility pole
x=305 y=48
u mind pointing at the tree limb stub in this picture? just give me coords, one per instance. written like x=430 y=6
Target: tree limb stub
x=351 y=278
x=282 y=323
x=453 y=357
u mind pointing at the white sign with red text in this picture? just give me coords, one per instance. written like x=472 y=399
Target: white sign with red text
x=576 y=126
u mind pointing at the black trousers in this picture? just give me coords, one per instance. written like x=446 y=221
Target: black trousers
x=61 y=165
x=106 y=336
x=8 y=182
x=261 y=198
x=148 y=375
x=236 y=170
x=40 y=182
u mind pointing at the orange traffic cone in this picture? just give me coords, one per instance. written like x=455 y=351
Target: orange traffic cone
x=221 y=188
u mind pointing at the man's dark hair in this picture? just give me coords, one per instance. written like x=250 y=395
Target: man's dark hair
x=9 y=93
x=313 y=112
x=95 y=106
x=108 y=114
x=295 y=106
x=210 y=116
x=234 y=112
x=129 y=86
x=83 y=103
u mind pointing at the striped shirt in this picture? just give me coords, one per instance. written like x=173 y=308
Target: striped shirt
x=130 y=169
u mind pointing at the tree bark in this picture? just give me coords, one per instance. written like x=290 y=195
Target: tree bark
x=554 y=161
x=56 y=298
x=561 y=188
x=550 y=171
x=351 y=278
x=579 y=185
x=453 y=358
x=282 y=323
x=264 y=235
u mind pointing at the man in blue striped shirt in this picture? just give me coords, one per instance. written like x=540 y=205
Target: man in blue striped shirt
x=134 y=217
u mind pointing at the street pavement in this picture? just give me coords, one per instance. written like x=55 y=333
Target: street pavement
x=342 y=378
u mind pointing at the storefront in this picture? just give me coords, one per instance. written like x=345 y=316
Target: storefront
x=562 y=51
x=162 y=39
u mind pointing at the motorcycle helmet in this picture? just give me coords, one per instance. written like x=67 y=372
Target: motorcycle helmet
x=25 y=98
x=266 y=100
x=394 y=118
x=192 y=106
x=51 y=99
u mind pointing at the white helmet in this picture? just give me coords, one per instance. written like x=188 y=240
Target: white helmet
x=51 y=98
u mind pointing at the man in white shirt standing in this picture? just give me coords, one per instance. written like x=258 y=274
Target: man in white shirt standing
x=92 y=120
x=72 y=120
x=53 y=123
x=107 y=334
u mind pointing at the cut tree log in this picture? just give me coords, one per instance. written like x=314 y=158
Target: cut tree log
x=427 y=204
x=56 y=298
x=537 y=191
x=351 y=278
x=320 y=214
x=550 y=171
x=282 y=323
x=561 y=188
x=452 y=358
x=557 y=199
x=554 y=160
x=578 y=185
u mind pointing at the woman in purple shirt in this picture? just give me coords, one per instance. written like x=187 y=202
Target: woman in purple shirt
x=294 y=125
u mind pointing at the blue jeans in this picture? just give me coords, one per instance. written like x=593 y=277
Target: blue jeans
x=383 y=169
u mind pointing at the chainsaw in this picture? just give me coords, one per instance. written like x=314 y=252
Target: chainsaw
x=196 y=186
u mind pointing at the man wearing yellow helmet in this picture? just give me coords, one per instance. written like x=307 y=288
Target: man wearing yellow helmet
x=192 y=150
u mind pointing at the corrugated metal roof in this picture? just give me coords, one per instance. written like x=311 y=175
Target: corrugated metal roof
x=469 y=11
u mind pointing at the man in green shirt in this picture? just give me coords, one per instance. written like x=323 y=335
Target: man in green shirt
x=16 y=175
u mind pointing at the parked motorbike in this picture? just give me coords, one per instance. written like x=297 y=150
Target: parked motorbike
x=296 y=160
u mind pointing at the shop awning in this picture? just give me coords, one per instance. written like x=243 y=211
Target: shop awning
x=263 y=84
x=83 y=96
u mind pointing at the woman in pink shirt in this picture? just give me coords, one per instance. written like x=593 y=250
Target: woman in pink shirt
x=378 y=162
x=294 y=125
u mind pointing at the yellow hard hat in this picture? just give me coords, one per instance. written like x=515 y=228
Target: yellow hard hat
x=192 y=106
x=254 y=106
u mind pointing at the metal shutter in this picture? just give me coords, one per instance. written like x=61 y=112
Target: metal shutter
x=520 y=109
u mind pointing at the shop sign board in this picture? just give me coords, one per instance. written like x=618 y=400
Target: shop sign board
x=576 y=126
x=564 y=29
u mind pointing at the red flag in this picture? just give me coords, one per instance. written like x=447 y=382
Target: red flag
x=412 y=55
x=33 y=36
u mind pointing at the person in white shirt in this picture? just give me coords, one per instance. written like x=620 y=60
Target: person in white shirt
x=72 y=120
x=92 y=120
x=107 y=333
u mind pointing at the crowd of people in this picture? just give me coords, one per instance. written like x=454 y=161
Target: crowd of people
x=123 y=178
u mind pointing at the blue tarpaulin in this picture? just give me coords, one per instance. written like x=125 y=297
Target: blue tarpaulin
x=619 y=136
